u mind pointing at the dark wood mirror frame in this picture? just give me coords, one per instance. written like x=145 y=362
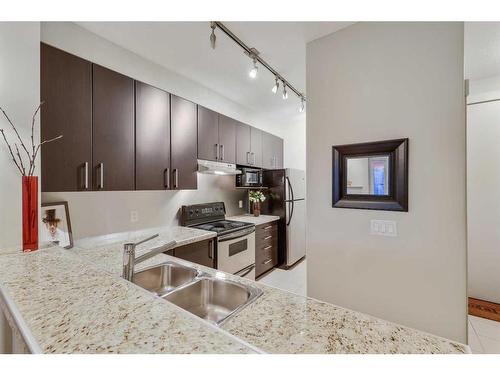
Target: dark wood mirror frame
x=397 y=200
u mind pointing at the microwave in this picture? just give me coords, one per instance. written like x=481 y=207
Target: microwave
x=249 y=177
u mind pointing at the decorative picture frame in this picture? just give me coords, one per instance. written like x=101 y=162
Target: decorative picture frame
x=397 y=197
x=55 y=226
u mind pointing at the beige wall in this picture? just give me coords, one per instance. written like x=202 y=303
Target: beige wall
x=19 y=97
x=376 y=81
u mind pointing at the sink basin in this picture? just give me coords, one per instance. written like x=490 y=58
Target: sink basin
x=213 y=299
x=165 y=277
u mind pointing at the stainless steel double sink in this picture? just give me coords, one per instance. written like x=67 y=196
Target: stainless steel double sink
x=212 y=298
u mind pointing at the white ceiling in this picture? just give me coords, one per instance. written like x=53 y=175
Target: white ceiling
x=184 y=48
x=482 y=49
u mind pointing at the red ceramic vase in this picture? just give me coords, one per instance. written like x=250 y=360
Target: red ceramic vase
x=30 y=213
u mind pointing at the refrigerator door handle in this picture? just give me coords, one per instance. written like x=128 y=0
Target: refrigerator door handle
x=290 y=189
x=292 y=203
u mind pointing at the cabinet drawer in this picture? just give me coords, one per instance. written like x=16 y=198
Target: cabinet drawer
x=266 y=260
x=266 y=232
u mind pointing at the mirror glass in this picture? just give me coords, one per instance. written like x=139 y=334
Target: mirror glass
x=368 y=175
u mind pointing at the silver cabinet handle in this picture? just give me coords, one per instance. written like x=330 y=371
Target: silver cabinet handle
x=166 y=178
x=268 y=247
x=253 y=158
x=221 y=152
x=176 y=178
x=100 y=185
x=86 y=176
x=267 y=261
x=248 y=159
x=216 y=151
x=267 y=237
x=268 y=227
x=211 y=250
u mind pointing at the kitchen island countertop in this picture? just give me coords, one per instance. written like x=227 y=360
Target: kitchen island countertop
x=76 y=302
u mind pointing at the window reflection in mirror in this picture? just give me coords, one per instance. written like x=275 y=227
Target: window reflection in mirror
x=368 y=175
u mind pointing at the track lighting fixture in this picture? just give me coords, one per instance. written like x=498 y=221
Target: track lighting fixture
x=302 y=104
x=253 y=72
x=213 y=38
x=276 y=85
x=253 y=53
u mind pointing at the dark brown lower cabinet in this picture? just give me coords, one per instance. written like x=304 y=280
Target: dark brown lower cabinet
x=266 y=247
x=113 y=130
x=152 y=138
x=201 y=252
x=183 y=143
x=66 y=90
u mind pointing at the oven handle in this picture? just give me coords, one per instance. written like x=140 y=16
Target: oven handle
x=245 y=271
x=238 y=234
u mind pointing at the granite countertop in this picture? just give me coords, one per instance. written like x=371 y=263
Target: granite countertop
x=75 y=301
x=257 y=220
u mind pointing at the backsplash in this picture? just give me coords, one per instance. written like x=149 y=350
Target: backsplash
x=99 y=213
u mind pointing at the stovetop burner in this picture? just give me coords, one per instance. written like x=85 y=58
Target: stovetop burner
x=223 y=226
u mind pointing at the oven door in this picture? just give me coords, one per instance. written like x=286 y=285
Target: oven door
x=236 y=252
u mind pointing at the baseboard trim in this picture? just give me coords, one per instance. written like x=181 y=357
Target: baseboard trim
x=484 y=309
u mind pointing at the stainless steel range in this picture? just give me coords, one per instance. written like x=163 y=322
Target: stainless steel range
x=235 y=249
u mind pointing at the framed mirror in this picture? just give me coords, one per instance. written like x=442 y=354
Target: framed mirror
x=371 y=175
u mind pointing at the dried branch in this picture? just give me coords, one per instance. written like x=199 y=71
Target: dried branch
x=18 y=136
x=20 y=159
x=32 y=168
x=11 y=153
x=32 y=161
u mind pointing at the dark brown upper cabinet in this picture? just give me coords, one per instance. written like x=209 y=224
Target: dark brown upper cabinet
x=243 y=142
x=227 y=139
x=152 y=138
x=371 y=176
x=256 y=146
x=208 y=134
x=272 y=151
x=113 y=130
x=183 y=143
x=66 y=90
x=248 y=145
x=216 y=136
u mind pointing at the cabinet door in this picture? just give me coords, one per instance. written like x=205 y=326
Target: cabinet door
x=65 y=83
x=208 y=134
x=152 y=143
x=183 y=143
x=113 y=142
x=267 y=150
x=256 y=146
x=227 y=139
x=243 y=150
x=201 y=252
x=278 y=152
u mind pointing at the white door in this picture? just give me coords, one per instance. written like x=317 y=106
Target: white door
x=295 y=231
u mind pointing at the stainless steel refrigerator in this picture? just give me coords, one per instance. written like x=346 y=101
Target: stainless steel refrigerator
x=285 y=197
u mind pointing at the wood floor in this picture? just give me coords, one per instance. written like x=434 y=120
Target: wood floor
x=484 y=309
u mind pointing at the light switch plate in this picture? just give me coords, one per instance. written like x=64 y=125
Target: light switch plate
x=240 y=204
x=134 y=216
x=383 y=228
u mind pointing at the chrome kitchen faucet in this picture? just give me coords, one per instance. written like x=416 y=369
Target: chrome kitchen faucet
x=130 y=260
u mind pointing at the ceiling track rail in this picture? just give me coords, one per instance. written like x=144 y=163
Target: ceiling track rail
x=251 y=52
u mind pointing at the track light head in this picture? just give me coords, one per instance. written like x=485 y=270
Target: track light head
x=276 y=86
x=302 y=104
x=213 y=38
x=253 y=72
x=285 y=93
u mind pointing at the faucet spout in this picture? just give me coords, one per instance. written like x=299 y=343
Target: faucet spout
x=130 y=260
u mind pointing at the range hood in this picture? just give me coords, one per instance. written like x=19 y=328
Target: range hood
x=218 y=168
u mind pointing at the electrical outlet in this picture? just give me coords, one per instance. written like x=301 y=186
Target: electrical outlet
x=240 y=204
x=384 y=228
x=134 y=216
